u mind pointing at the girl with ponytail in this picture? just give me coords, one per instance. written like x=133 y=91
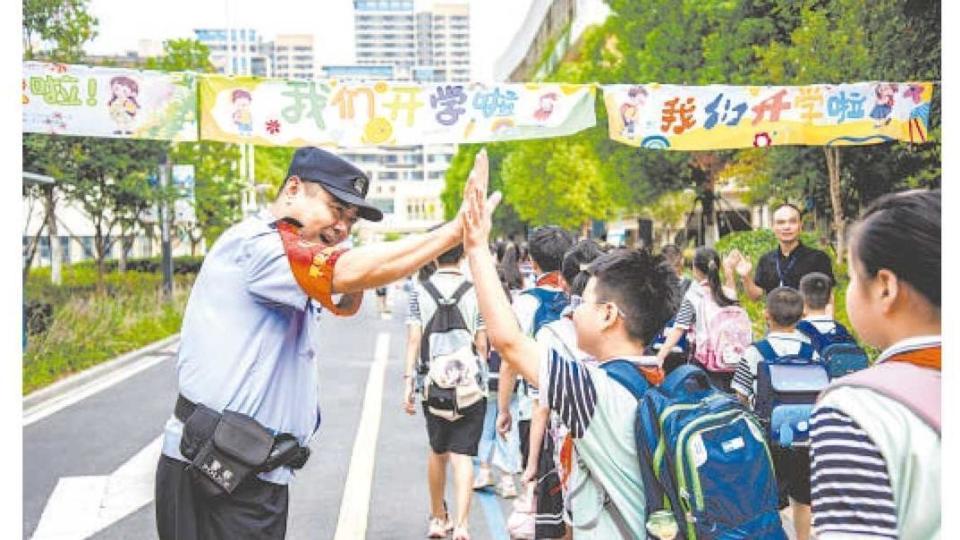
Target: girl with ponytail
x=707 y=285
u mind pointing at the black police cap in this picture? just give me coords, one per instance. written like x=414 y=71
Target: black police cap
x=340 y=177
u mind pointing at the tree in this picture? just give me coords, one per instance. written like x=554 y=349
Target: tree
x=847 y=40
x=218 y=190
x=107 y=179
x=62 y=28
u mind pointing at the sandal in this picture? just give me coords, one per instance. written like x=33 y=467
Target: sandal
x=508 y=488
x=483 y=480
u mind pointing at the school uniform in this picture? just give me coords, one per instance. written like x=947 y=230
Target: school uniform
x=876 y=462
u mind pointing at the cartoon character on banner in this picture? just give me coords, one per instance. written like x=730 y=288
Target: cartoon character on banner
x=630 y=110
x=547 y=103
x=242 y=118
x=883 y=109
x=123 y=104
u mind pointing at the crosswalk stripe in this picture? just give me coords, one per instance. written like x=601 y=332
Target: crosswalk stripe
x=355 y=505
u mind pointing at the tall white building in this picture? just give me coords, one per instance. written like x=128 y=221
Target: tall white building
x=246 y=46
x=293 y=57
x=427 y=46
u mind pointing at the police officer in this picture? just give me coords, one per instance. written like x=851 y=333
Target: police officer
x=248 y=399
x=784 y=266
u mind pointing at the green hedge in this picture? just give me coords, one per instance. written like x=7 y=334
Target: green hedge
x=74 y=328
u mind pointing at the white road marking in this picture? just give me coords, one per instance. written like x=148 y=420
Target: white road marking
x=81 y=506
x=59 y=403
x=355 y=505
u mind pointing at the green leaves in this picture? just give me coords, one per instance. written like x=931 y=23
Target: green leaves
x=57 y=29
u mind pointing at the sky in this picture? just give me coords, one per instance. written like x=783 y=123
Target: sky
x=123 y=24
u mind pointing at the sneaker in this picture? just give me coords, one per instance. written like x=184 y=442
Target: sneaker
x=508 y=489
x=461 y=533
x=437 y=528
x=483 y=480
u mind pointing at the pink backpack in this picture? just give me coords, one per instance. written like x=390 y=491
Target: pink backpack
x=726 y=334
x=915 y=387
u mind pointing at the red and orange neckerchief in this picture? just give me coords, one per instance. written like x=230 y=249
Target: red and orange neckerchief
x=312 y=265
x=550 y=279
x=928 y=357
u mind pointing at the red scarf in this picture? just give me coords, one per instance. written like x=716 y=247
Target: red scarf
x=551 y=279
x=928 y=357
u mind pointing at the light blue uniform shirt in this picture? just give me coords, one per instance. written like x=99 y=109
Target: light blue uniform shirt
x=248 y=337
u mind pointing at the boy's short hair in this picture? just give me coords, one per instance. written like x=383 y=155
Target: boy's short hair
x=452 y=255
x=785 y=306
x=640 y=285
x=815 y=288
x=547 y=247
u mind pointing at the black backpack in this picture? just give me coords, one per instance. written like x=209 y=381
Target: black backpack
x=446 y=331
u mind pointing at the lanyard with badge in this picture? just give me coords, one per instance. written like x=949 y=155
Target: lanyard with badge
x=791 y=260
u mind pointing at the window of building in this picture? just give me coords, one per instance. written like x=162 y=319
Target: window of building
x=86 y=242
x=65 y=249
x=383 y=204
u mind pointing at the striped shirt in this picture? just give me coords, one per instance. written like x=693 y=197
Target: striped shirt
x=599 y=413
x=850 y=486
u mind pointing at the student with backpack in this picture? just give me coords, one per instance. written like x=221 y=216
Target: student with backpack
x=876 y=433
x=533 y=308
x=721 y=328
x=622 y=308
x=783 y=398
x=549 y=439
x=679 y=354
x=445 y=344
x=837 y=349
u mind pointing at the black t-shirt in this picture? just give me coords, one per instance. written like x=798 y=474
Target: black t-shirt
x=775 y=270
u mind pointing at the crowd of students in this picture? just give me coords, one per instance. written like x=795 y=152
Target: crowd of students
x=577 y=349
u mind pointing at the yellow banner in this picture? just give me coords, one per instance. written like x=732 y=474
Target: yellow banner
x=672 y=117
x=273 y=112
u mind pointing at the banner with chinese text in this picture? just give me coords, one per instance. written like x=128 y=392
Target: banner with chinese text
x=108 y=102
x=713 y=117
x=273 y=112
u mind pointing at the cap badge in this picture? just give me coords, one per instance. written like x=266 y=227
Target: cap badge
x=360 y=185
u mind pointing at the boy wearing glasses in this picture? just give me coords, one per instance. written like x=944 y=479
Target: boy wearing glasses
x=623 y=306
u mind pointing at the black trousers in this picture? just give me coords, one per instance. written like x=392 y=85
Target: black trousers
x=256 y=510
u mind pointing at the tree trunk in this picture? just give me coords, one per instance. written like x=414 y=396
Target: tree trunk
x=56 y=257
x=100 y=252
x=836 y=204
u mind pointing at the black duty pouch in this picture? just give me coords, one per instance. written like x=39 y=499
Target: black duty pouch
x=238 y=448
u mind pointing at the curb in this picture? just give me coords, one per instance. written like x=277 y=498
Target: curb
x=77 y=380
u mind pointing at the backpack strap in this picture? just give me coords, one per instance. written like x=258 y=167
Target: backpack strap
x=766 y=350
x=841 y=331
x=461 y=290
x=807 y=328
x=432 y=291
x=916 y=388
x=628 y=375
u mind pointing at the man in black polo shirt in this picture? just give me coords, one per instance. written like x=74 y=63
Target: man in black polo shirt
x=784 y=266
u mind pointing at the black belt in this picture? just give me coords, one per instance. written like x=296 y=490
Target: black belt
x=282 y=442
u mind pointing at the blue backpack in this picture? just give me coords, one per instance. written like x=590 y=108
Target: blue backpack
x=838 y=350
x=787 y=389
x=551 y=306
x=702 y=456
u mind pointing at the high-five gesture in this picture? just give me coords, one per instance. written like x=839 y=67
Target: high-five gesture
x=477 y=211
